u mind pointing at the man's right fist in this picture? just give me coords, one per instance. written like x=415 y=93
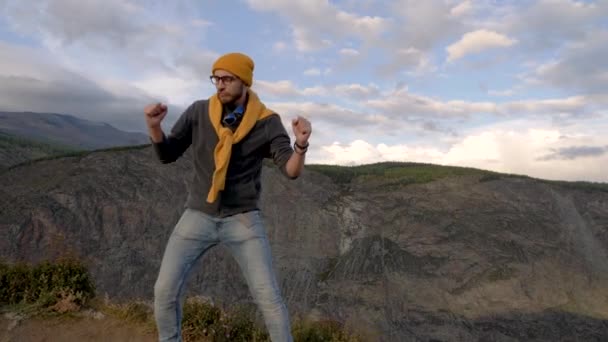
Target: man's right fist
x=155 y=113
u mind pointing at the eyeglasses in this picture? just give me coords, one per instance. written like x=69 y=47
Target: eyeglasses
x=225 y=79
x=232 y=118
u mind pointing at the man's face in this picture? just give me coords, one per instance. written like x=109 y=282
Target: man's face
x=229 y=87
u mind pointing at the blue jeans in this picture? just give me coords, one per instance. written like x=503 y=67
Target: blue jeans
x=245 y=236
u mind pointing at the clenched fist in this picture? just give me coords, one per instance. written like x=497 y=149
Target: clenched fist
x=301 y=130
x=155 y=113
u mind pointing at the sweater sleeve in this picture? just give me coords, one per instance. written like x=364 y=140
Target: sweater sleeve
x=280 y=143
x=180 y=138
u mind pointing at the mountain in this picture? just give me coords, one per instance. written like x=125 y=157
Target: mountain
x=66 y=130
x=400 y=251
x=15 y=150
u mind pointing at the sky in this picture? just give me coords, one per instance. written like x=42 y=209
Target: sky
x=511 y=86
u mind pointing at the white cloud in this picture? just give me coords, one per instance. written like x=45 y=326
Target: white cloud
x=509 y=148
x=507 y=92
x=356 y=91
x=279 y=46
x=30 y=80
x=547 y=24
x=581 y=67
x=201 y=23
x=276 y=88
x=306 y=41
x=315 y=23
x=477 y=41
x=312 y=72
x=177 y=90
x=124 y=37
x=349 y=52
x=462 y=8
x=286 y=88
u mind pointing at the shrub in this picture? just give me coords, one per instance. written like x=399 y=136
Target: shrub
x=322 y=331
x=62 y=285
x=203 y=321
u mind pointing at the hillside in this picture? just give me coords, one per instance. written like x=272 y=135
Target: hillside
x=406 y=251
x=15 y=150
x=66 y=130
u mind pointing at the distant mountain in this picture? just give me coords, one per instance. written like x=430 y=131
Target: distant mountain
x=400 y=251
x=15 y=150
x=67 y=130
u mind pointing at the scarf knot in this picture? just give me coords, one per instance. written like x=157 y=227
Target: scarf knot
x=255 y=111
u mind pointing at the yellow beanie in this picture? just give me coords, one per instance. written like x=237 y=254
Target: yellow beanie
x=239 y=64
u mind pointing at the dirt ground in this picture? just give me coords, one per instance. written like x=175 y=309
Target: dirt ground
x=72 y=329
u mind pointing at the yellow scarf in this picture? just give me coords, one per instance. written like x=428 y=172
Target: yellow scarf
x=255 y=111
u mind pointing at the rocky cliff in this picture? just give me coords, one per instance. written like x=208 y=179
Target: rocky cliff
x=400 y=251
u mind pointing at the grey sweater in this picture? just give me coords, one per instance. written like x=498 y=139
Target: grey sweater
x=267 y=139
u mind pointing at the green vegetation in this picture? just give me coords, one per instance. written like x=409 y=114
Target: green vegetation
x=61 y=287
x=65 y=287
x=83 y=153
x=321 y=331
x=395 y=172
x=405 y=173
x=8 y=141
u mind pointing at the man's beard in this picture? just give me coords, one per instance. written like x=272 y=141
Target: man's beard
x=230 y=100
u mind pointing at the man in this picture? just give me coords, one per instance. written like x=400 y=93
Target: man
x=230 y=134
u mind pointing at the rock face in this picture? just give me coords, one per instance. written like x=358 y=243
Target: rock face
x=458 y=258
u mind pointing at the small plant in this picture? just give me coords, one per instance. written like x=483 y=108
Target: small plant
x=203 y=321
x=322 y=331
x=61 y=286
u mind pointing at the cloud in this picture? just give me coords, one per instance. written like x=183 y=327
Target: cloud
x=576 y=152
x=317 y=71
x=462 y=8
x=306 y=41
x=419 y=106
x=326 y=114
x=30 y=81
x=417 y=28
x=510 y=147
x=279 y=46
x=477 y=41
x=349 y=52
x=507 y=92
x=549 y=24
x=312 y=72
x=124 y=35
x=330 y=22
x=581 y=67
x=288 y=89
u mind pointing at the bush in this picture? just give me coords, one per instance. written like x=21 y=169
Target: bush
x=204 y=321
x=322 y=331
x=64 y=284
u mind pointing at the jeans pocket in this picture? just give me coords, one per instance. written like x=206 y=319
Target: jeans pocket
x=251 y=219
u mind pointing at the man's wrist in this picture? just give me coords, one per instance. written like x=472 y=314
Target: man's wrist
x=300 y=148
x=301 y=144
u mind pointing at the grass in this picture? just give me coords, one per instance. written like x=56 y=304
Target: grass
x=405 y=173
x=395 y=172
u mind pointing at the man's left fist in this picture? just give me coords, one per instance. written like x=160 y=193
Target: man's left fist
x=301 y=130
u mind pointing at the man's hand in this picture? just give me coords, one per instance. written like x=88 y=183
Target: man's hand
x=155 y=113
x=301 y=130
